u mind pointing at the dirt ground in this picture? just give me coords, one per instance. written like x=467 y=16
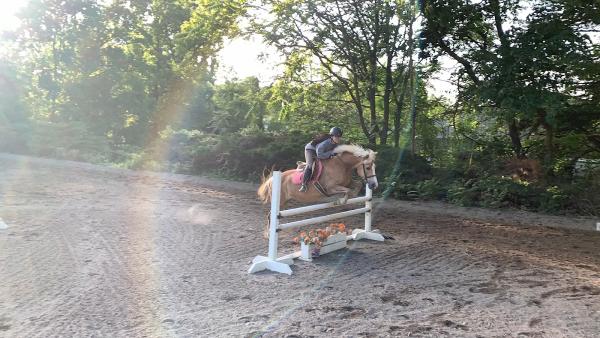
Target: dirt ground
x=103 y=252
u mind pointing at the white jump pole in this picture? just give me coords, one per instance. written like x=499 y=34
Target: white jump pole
x=309 y=208
x=271 y=262
x=274 y=216
x=368 y=204
x=321 y=219
x=367 y=232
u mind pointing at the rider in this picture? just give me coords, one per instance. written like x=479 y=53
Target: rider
x=322 y=147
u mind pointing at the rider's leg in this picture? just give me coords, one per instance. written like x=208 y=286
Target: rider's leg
x=310 y=157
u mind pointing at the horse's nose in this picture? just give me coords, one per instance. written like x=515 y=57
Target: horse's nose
x=372 y=185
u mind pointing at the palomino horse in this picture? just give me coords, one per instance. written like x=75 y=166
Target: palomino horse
x=336 y=177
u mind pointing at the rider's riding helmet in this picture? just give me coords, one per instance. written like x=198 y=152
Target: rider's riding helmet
x=335 y=131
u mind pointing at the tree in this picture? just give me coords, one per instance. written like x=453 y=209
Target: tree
x=12 y=109
x=238 y=105
x=125 y=69
x=360 y=44
x=532 y=73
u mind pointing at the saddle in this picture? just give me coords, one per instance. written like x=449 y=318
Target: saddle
x=317 y=169
x=300 y=165
x=316 y=174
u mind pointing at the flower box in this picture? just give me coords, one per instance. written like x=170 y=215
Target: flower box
x=332 y=243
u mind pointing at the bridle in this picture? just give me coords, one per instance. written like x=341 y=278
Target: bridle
x=364 y=176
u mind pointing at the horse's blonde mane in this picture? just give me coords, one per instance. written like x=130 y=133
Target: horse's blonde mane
x=357 y=150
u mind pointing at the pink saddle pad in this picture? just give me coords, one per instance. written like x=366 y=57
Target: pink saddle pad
x=297 y=178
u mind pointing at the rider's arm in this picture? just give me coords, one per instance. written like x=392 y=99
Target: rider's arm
x=325 y=149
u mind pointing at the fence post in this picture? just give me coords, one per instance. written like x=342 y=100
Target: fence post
x=274 y=217
x=368 y=204
x=367 y=232
x=272 y=262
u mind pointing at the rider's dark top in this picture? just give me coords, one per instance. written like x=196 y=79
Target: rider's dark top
x=324 y=149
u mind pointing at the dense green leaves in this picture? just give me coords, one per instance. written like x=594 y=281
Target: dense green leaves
x=124 y=69
x=365 y=47
x=532 y=64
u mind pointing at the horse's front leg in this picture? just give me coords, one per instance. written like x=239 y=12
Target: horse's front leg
x=355 y=187
x=338 y=189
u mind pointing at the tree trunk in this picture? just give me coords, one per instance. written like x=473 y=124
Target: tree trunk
x=549 y=145
x=399 y=104
x=412 y=82
x=548 y=142
x=372 y=91
x=356 y=98
x=386 y=99
x=372 y=107
x=413 y=115
x=515 y=138
x=371 y=96
x=54 y=110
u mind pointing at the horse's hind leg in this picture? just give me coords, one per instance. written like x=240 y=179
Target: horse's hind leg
x=266 y=229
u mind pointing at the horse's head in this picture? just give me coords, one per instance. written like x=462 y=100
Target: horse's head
x=363 y=160
x=366 y=169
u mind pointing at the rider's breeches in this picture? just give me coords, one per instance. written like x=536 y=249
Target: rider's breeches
x=310 y=155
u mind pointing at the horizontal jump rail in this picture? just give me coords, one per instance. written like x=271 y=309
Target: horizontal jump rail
x=309 y=208
x=324 y=218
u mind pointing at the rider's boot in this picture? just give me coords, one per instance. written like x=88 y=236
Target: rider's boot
x=305 y=178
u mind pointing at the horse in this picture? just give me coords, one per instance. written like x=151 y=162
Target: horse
x=336 y=177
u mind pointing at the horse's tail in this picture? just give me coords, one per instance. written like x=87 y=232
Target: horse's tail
x=264 y=191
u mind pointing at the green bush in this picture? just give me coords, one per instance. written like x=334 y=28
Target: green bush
x=581 y=196
x=241 y=155
x=71 y=141
x=431 y=189
x=494 y=192
x=502 y=192
x=399 y=171
x=410 y=168
x=244 y=155
x=463 y=193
